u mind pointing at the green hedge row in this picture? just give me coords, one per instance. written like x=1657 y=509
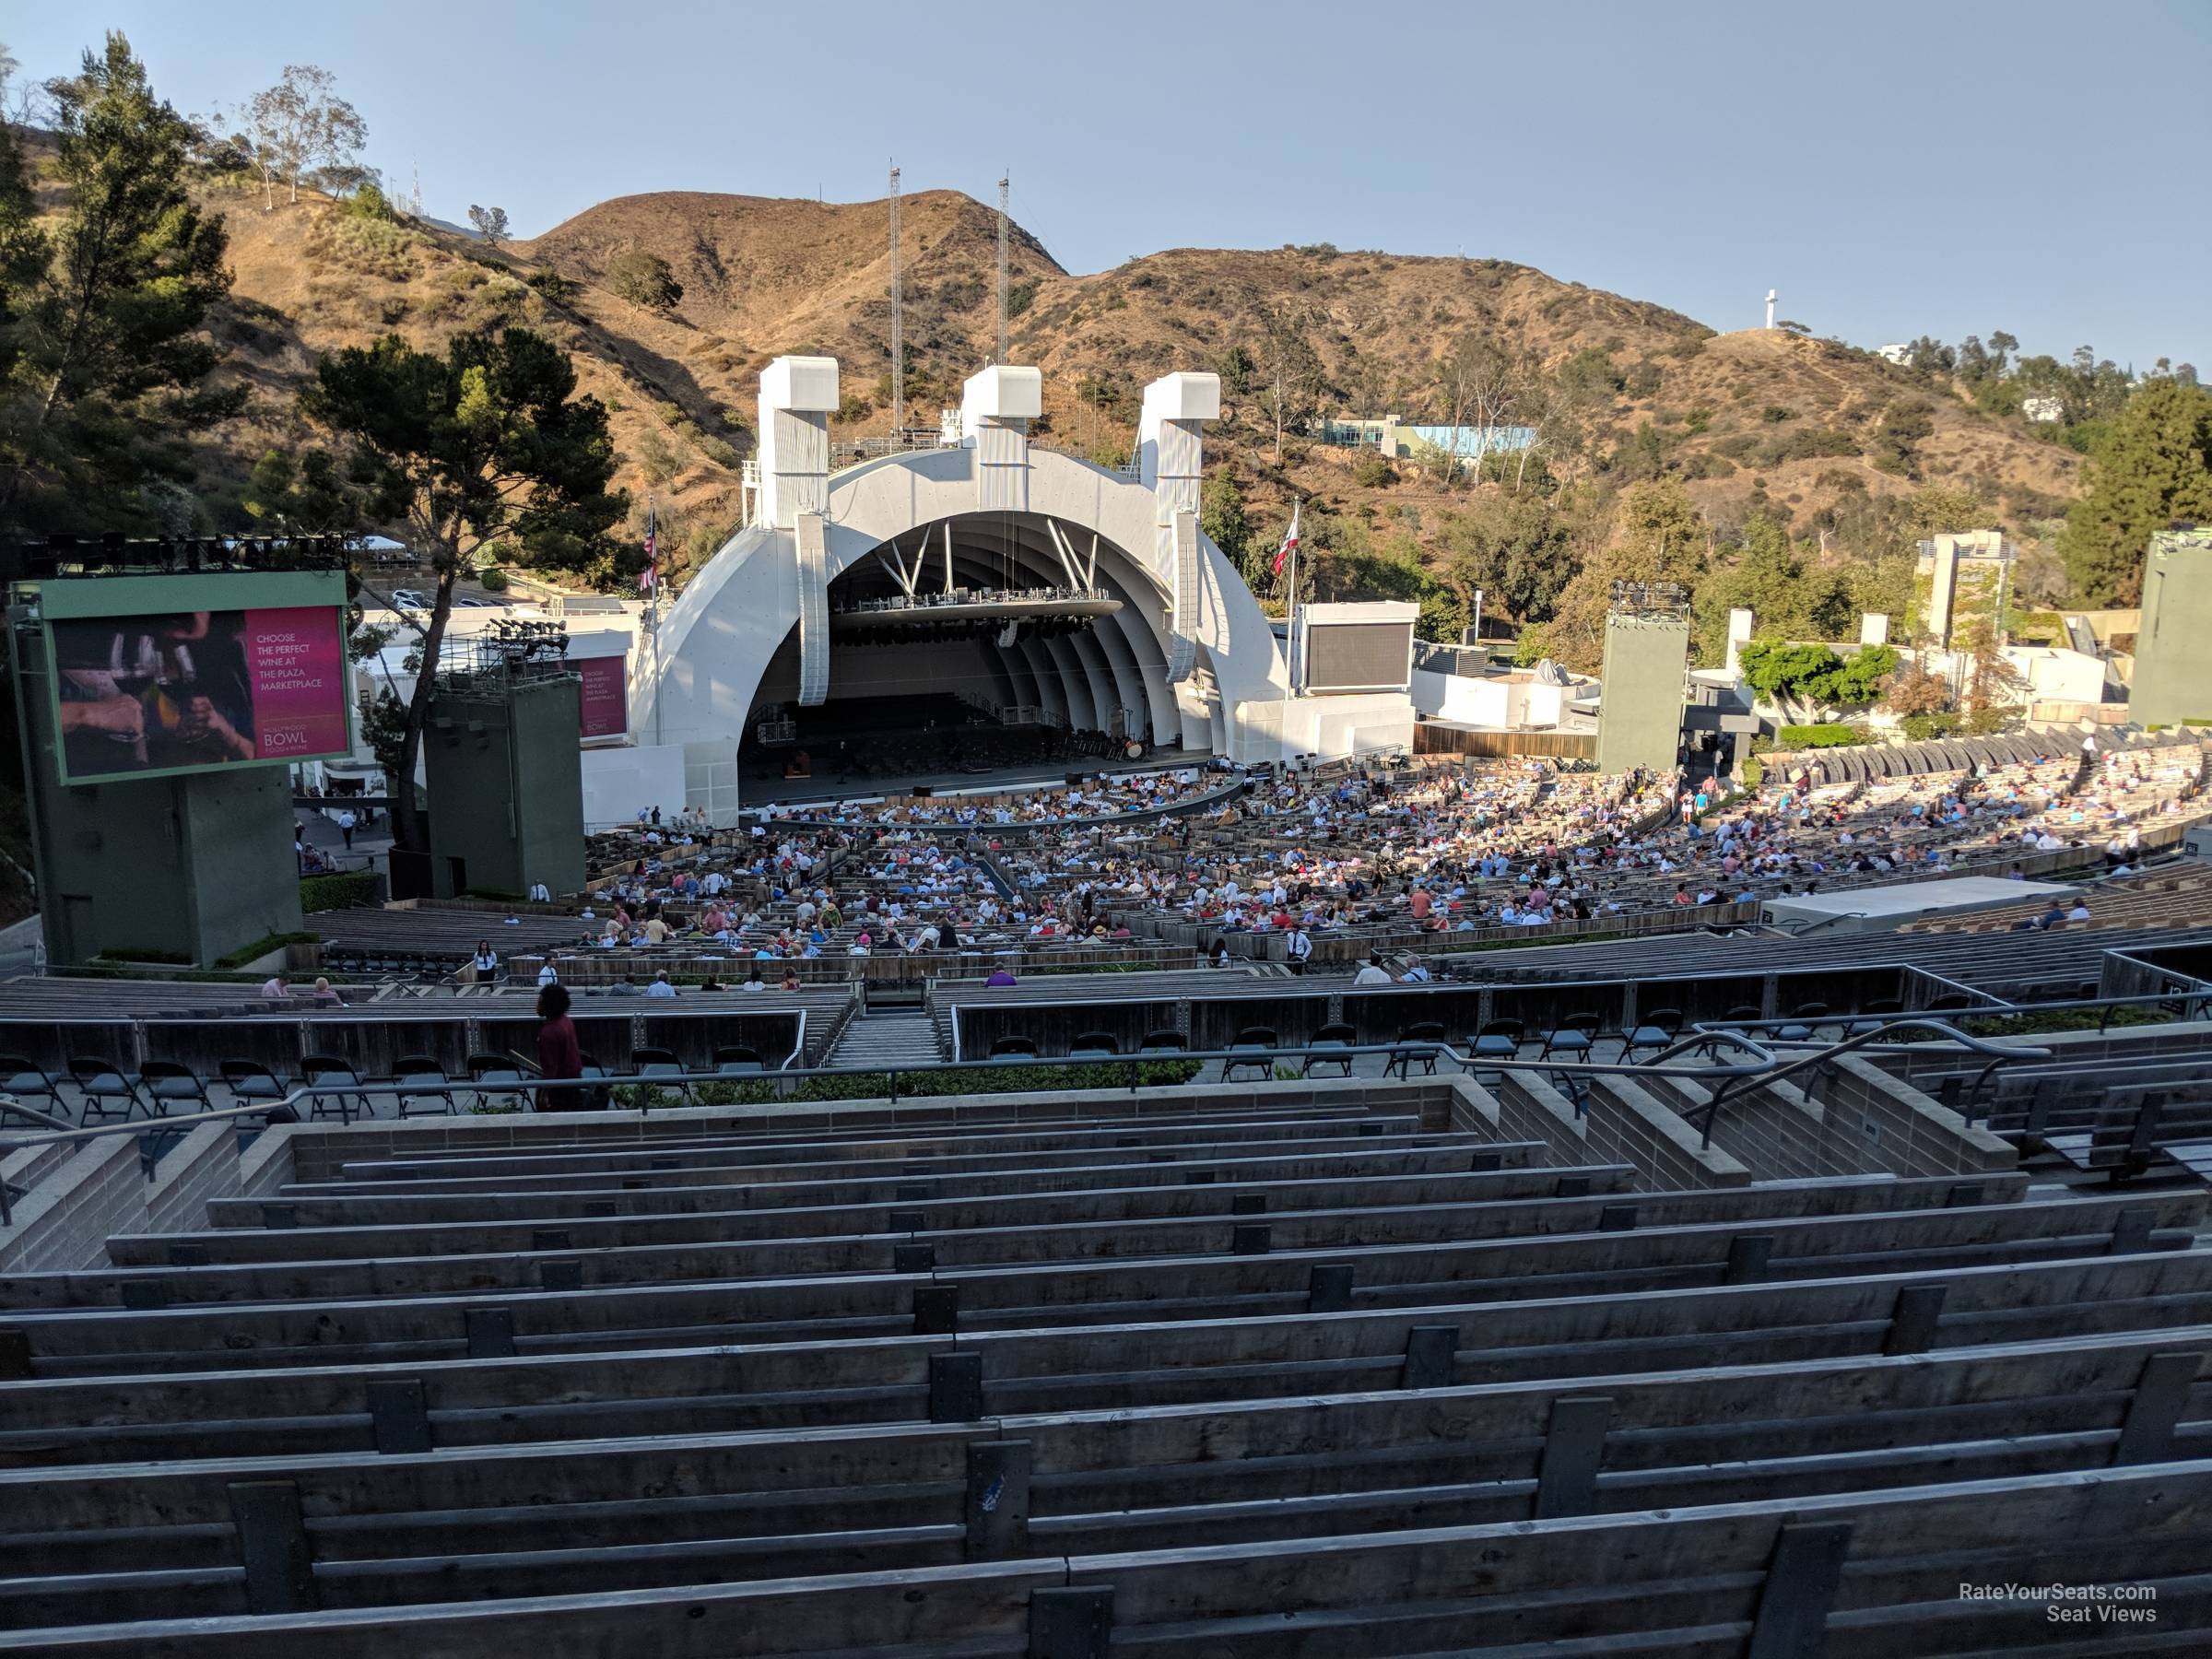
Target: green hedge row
x=1001 y=1077
x=1825 y=735
x=1982 y=722
x=261 y=946
x=346 y=891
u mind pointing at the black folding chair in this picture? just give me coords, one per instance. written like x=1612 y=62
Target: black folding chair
x=108 y=1092
x=29 y=1083
x=1402 y=1060
x=420 y=1079
x=1655 y=1032
x=335 y=1088
x=663 y=1068
x=1497 y=1040
x=1574 y=1038
x=738 y=1061
x=494 y=1079
x=1253 y=1037
x=170 y=1081
x=252 y=1083
x=1330 y=1037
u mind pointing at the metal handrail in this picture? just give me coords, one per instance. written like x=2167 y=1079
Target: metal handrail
x=1762 y=1067
x=1824 y=1059
x=305 y=1094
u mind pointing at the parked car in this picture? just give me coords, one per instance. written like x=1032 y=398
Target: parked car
x=409 y=599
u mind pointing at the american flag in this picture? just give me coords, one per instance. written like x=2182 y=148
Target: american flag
x=650 y=575
x=1289 y=540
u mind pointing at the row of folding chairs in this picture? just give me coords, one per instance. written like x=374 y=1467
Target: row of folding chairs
x=419 y=1086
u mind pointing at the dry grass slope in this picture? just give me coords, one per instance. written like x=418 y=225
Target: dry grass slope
x=764 y=276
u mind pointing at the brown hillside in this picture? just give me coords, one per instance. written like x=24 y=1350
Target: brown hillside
x=778 y=273
x=1793 y=421
x=784 y=276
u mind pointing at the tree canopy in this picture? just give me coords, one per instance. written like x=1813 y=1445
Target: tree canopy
x=489 y=441
x=2155 y=467
x=644 y=280
x=1658 y=536
x=1512 y=549
x=1815 y=676
x=107 y=363
x=301 y=129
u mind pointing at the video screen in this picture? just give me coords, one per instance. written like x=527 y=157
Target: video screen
x=1362 y=655
x=188 y=690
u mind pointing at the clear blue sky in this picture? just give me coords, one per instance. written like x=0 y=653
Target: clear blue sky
x=1946 y=166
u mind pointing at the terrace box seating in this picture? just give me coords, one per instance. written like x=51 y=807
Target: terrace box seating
x=1185 y=1370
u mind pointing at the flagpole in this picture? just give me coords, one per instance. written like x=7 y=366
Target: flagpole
x=1290 y=645
x=652 y=602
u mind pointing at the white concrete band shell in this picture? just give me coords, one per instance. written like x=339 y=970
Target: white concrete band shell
x=1187 y=661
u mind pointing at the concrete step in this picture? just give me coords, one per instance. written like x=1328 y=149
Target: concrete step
x=881 y=1038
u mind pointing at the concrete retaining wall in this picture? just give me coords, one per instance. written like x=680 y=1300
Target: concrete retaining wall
x=101 y=1190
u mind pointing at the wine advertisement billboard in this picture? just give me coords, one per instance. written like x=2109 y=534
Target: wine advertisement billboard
x=155 y=676
x=604 y=709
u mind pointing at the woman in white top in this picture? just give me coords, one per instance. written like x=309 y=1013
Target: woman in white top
x=486 y=961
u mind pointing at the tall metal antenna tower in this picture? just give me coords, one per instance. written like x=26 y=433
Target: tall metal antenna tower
x=1004 y=184
x=898 y=321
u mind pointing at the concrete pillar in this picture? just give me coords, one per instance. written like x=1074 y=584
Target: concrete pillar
x=1739 y=634
x=996 y=408
x=797 y=396
x=1170 y=462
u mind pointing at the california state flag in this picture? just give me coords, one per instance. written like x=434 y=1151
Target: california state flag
x=1290 y=539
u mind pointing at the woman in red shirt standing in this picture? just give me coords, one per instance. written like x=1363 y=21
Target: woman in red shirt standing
x=559 y=1055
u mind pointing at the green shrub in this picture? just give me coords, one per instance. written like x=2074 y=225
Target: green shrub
x=2066 y=1019
x=1921 y=727
x=553 y=284
x=644 y=280
x=1374 y=471
x=348 y=891
x=261 y=946
x=493 y=578
x=1813 y=443
x=1754 y=772
x=1825 y=735
x=1045 y=1076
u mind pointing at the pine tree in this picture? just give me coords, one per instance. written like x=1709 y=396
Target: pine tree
x=23 y=250
x=115 y=362
x=2154 y=469
x=489 y=441
x=1222 y=515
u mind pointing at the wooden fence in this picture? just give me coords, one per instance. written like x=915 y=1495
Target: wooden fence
x=1432 y=739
